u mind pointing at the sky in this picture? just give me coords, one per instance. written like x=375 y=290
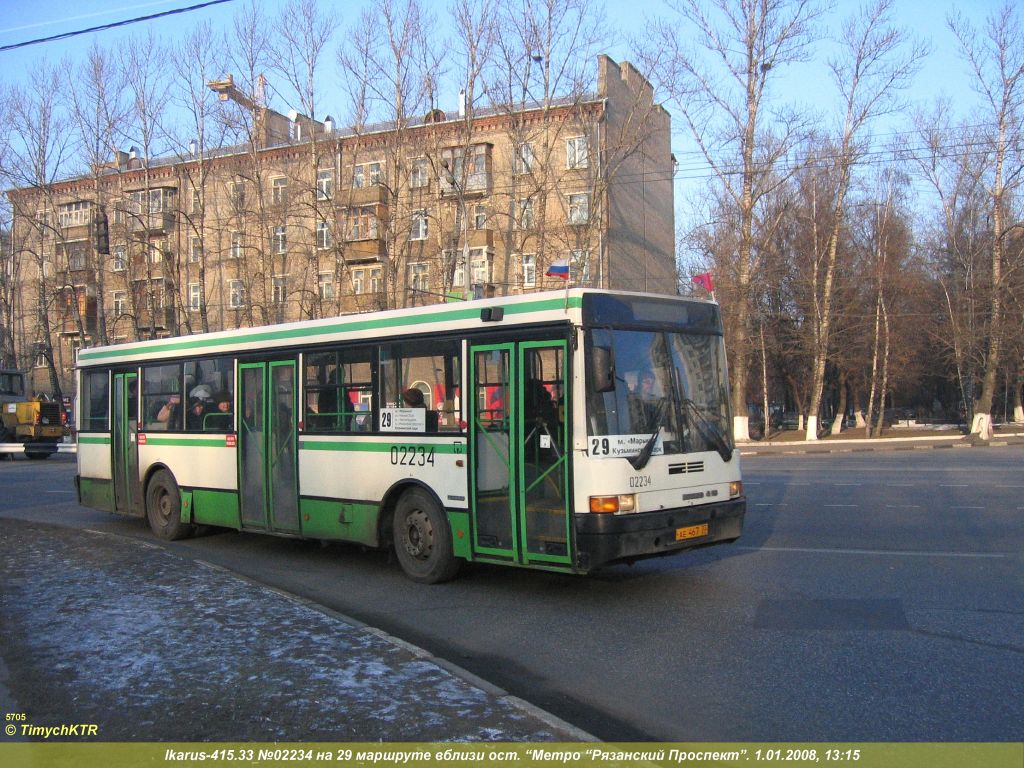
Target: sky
x=943 y=72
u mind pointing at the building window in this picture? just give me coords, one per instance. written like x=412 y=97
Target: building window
x=236 y=193
x=419 y=176
x=119 y=258
x=156 y=252
x=459 y=274
x=479 y=216
x=77 y=253
x=197 y=201
x=464 y=169
x=480 y=266
x=529 y=270
x=358 y=277
x=522 y=161
x=525 y=219
x=376 y=285
x=195 y=297
x=324 y=184
x=579 y=208
x=195 y=254
x=119 y=302
x=279 y=190
x=236 y=245
x=323 y=235
x=576 y=154
x=236 y=294
x=326 y=285
x=419 y=276
x=419 y=225
x=280 y=290
x=281 y=239
x=366 y=175
x=73 y=214
x=361 y=223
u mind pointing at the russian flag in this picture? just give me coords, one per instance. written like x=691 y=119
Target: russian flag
x=558 y=268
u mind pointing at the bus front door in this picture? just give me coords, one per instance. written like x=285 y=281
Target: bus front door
x=519 y=476
x=267 y=474
x=124 y=444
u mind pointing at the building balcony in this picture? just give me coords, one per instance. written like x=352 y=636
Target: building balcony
x=152 y=223
x=161 y=317
x=374 y=194
x=478 y=238
x=363 y=251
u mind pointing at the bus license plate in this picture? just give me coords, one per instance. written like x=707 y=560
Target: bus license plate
x=691 y=532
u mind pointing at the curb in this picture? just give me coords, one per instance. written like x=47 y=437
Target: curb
x=570 y=731
x=869 y=446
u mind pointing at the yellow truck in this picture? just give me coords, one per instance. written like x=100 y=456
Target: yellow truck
x=35 y=424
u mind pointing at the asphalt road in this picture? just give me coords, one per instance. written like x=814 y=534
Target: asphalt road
x=873 y=597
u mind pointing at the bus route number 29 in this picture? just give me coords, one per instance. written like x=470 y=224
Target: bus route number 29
x=412 y=456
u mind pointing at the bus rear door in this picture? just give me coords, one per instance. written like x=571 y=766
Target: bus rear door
x=267 y=476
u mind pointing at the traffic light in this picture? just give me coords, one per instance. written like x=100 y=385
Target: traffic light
x=101 y=233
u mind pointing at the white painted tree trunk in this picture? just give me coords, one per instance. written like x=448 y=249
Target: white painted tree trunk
x=1018 y=414
x=741 y=428
x=812 y=428
x=982 y=426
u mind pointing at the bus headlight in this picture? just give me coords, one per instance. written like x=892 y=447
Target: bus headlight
x=735 y=489
x=613 y=504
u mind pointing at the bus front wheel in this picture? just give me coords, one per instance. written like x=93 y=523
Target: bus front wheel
x=423 y=540
x=163 y=507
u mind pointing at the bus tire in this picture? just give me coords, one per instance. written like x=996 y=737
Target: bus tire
x=423 y=539
x=163 y=507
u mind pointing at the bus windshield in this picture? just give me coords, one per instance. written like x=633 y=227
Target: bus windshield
x=657 y=392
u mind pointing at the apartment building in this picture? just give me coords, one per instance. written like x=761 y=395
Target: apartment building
x=307 y=220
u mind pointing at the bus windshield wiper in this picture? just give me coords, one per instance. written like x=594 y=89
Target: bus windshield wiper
x=708 y=430
x=639 y=461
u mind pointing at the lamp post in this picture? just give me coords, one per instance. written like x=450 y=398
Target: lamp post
x=461 y=197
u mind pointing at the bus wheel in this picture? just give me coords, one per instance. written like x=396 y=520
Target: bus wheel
x=163 y=507
x=423 y=540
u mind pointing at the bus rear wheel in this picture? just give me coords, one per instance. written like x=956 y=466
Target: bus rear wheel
x=163 y=507
x=423 y=539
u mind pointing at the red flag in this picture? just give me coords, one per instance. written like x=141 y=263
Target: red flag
x=704 y=281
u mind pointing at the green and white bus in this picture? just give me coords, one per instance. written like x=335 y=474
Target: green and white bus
x=564 y=431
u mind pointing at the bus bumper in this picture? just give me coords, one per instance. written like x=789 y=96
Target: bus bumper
x=606 y=539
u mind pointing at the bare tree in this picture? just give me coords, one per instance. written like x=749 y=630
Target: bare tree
x=42 y=149
x=196 y=62
x=98 y=112
x=869 y=73
x=995 y=57
x=720 y=87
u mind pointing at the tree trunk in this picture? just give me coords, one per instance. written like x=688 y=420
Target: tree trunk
x=837 y=422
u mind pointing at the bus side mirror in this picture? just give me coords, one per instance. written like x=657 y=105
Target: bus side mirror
x=602 y=369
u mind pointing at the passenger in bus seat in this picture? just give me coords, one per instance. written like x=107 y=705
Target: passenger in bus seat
x=196 y=413
x=413 y=398
x=168 y=413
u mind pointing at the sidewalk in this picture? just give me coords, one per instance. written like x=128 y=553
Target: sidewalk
x=98 y=629
x=893 y=440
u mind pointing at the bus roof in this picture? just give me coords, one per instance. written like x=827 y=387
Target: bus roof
x=545 y=307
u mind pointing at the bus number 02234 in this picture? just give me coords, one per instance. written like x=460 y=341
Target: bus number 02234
x=412 y=456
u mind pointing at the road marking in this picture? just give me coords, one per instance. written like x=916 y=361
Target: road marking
x=68 y=492
x=841 y=505
x=902 y=506
x=882 y=552
x=966 y=507
x=843 y=485
x=771 y=505
x=955 y=486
